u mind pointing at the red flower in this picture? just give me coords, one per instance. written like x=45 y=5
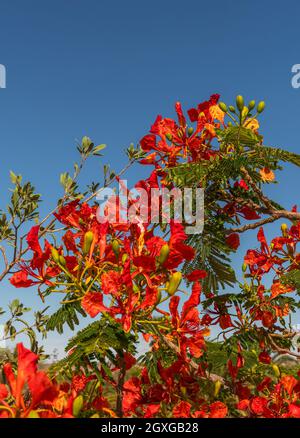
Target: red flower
x=264 y=357
x=233 y=240
x=40 y=386
x=182 y=410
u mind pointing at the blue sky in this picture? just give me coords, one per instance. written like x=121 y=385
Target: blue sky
x=106 y=69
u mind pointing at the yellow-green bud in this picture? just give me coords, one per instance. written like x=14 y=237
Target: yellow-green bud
x=87 y=242
x=284 y=229
x=190 y=130
x=244 y=267
x=124 y=258
x=169 y=136
x=135 y=288
x=276 y=370
x=240 y=102
x=245 y=112
x=174 y=283
x=62 y=260
x=261 y=107
x=86 y=141
x=116 y=247
x=33 y=414
x=77 y=405
x=251 y=105
x=164 y=254
x=231 y=108
x=55 y=255
x=223 y=107
x=217 y=388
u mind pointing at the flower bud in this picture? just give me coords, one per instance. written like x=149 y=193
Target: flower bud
x=276 y=370
x=284 y=229
x=116 y=247
x=55 y=255
x=169 y=136
x=33 y=414
x=164 y=254
x=251 y=105
x=244 y=267
x=77 y=405
x=217 y=388
x=86 y=142
x=175 y=281
x=245 y=112
x=223 y=107
x=190 y=130
x=62 y=260
x=232 y=109
x=240 y=102
x=261 y=107
x=87 y=242
x=124 y=258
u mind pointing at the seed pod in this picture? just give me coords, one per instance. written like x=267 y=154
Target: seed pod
x=251 y=105
x=261 y=107
x=87 y=242
x=77 y=405
x=223 y=107
x=55 y=255
x=217 y=388
x=116 y=247
x=62 y=260
x=276 y=370
x=175 y=281
x=240 y=102
x=164 y=254
x=190 y=130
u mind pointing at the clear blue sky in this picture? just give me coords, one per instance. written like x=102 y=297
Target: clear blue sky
x=106 y=69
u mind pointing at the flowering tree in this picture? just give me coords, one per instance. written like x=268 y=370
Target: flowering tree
x=153 y=280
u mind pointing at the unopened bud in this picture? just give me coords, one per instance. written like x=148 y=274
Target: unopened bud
x=240 y=102
x=169 y=136
x=164 y=254
x=261 y=107
x=276 y=370
x=251 y=105
x=116 y=247
x=223 y=107
x=245 y=112
x=284 y=229
x=124 y=258
x=174 y=283
x=55 y=255
x=77 y=405
x=87 y=242
x=62 y=260
x=190 y=130
x=217 y=388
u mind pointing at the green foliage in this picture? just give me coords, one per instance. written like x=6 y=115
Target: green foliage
x=66 y=314
x=99 y=340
